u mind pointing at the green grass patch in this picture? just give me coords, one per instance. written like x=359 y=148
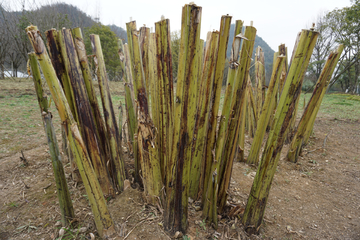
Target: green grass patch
x=339 y=106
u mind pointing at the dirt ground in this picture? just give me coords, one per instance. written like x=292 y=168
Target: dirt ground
x=316 y=198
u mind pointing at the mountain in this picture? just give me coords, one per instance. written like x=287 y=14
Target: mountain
x=77 y=18
x=268 y=52
x=120 y=32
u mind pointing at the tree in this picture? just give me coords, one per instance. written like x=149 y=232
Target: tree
x=344 y=23
x=110 y=48
x=13 y=24
x=340 y=26
x=322 y=48
x=4 y=41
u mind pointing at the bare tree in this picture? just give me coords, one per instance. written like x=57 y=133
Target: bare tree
x=4 y=41
x=322 y=49
x=340 y=26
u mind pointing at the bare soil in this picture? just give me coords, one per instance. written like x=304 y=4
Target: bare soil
x=316 y=198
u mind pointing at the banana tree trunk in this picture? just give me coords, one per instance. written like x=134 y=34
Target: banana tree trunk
x=176 y=215
x=234 y=118
x=259 y=80
x=136 y=80
x=165 y=96
x=146 y=132
x=118 y=168
x=102 y=218
x=98 y=120
x=198 y=166
x=258 y=196
x=209 y=196
x=253 y=157
x=66 y=207
x=325 y=76
x=84 y=112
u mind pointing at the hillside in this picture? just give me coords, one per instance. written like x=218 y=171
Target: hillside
x=78 y=18
x=60 y=15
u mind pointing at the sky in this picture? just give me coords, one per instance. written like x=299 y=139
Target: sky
x=276 y=21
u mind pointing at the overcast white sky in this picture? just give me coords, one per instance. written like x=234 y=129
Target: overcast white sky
x=277 y=21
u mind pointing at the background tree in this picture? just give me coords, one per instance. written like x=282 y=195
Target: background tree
x=13 y=22
x=340 y=26
x=110 y=48
x=4 y=41
x=322 y=48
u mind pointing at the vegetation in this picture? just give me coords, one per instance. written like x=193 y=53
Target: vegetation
x=340 y=26
x=14 y=45
x=109 y=42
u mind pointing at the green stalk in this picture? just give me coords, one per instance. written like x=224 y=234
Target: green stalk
x=129 y=97
x=325 y=76
x=146 y=132
x=253 y=157
x=201 y=56
x=154 y=97
x=233 y=66
x=259 y=80
x=102 y=218
x=210 y=179
x=252 y=109
x=258 y=196
x=131 y=29
x=176 y=215
x=53 y=43
x=165 y=94
x=110 y=119
x=234 y=118
x=252 y=101
x=98 y=120
x=66 y=207
x=209 y=199
x=224 y=119
x=130 y=109
x=273 y=107
x=120 y=121
x=144 y=48
x=241 y=140
x=137 y=78
x=200 y=130
x=86 y=118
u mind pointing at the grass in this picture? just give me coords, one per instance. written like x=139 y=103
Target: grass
x=13 y=204
x=21 y=127
x=336 y=106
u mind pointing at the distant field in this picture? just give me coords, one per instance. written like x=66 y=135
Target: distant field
x=21 y=127
x=339 y=106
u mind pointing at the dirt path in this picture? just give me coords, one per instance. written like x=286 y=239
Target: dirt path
x=319 y=197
